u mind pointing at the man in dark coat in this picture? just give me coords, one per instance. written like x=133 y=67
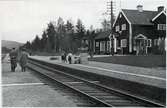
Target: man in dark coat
x=23 y=60
x=13 y=59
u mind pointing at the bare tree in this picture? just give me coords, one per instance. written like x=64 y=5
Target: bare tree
x=106 y=25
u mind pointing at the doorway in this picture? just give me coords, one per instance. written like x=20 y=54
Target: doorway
x=141 y=44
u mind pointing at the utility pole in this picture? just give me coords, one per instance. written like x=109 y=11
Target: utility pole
x=110 y=9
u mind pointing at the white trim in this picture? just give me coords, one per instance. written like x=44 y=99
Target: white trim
x=144 y=37
x=130 y=29
x=123 y=27
x=21 y=84
x=116 y=19
x=123 y=15
x=161 y=26
x=150 y=45
x=115 y=44
x=126 y=17
x=158 y=15
x=155 y=42
x=123 y=43
x=130 y=38
x=117 y=28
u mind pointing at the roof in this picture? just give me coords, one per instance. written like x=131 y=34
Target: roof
x=103 y=35
x=162 y=12
x=141 y=18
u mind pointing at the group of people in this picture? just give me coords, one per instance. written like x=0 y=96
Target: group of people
x=66 y=58
x=20 y=57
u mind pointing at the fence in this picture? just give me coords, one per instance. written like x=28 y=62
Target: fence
x=141 y=61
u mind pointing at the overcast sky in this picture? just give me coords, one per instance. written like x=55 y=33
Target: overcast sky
x=21 y=20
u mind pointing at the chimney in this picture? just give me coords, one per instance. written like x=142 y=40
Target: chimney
x=140 y=8
x=160 y=8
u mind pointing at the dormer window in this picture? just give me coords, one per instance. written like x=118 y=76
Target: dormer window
x=161 y=26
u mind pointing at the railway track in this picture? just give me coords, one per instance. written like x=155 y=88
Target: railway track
x=3 y=56
x=96 y=92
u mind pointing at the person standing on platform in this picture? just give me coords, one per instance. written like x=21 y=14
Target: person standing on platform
x=69 y=57
x=23 y=59
x=13 y=59
x=63 y=57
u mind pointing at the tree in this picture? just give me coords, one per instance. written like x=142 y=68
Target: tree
x=44 y=41
x=61 y=30
x=80 y=31
x=106 y=25
x=69 y=27
x=69 y=38
x=36 y=45
x=28 y=45
x=51 y=33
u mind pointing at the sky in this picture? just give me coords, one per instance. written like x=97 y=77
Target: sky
x=21 y=20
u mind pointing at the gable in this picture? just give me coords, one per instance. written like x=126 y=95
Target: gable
x=121 y=14
x=140 y=36
x=158 y=15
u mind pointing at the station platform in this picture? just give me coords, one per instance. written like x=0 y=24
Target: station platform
x=24 y=89
x=150 y=76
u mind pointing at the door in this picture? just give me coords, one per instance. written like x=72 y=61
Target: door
x=141 y=46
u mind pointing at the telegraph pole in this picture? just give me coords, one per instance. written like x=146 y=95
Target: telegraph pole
x=110 y=8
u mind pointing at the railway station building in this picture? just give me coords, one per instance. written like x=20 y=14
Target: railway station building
x=137 y=32
x=102 y=43
x=140 y=31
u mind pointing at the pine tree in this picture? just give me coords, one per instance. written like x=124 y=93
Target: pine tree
x=36 y=44
x=80 y=31
x=51 y=33
x=60 y=34
x=44 y=41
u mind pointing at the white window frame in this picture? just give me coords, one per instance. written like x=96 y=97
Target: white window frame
x=123 y=43
x=161 y=26
x=155 y=42
x=149 y=45
x=123 y=26
x=117 y=28
x=108 y=45
x=86 y=41
x=102 y=46
x=97 y=44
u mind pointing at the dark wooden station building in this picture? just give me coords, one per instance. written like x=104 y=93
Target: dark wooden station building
x=140 y=31
x=102 y=43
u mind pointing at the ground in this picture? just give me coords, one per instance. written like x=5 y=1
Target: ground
x=22 y=89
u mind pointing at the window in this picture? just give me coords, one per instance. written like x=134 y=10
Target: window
x=123 y=26
x=123 y=43
x=155 y=42
x=102 y=46
x=161 y=27
x=108 y=45
x=97 y=44
x=148 y=42
x=86 y=41
x=117 y=28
